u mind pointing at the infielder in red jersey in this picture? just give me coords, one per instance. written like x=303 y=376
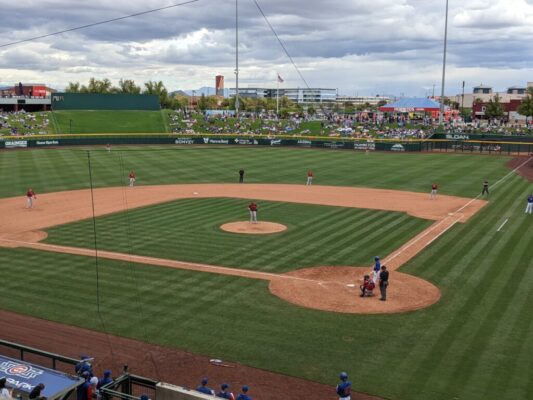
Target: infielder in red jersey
x=433 y=194
x=309 y=177
x=253 y=212
x=132 y=178
x=30 y=195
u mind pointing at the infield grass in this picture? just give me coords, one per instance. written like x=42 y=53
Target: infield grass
x=475 y=343
x=188 y=230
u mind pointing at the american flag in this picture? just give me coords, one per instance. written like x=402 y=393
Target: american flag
x=280 y=79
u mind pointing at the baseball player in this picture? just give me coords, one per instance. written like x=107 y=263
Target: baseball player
x=433 y=194
x=377 y=268
x=133 y=178
x=241 y=175
x=225 y=392
x=244 y=394
x=309 y=177
x=529 y=207
x=485 y=187
x=344 y=388
x=253 y=212
x=202 y=388
x=30 y=195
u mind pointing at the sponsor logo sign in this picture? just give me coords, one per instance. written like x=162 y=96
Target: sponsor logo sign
x=334 y=145
x=11 y=144
x=58 y=98
x=216 y=141
x=47 y=142
x=20 y=370
x=398 y=147
x=457 y=137
x=275 y=142
x=246 y=141
x=184 y=141
x=364 y=146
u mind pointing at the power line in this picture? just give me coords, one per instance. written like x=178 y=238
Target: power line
x=281 y=43
x=98 y=23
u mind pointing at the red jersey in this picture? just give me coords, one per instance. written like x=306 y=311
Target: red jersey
x=30 y=193
x=434 y=186
x=132 y=175
x=252 y=207
x=310 y=173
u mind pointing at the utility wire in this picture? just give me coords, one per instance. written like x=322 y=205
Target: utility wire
x=281 y=43
x=98 y=23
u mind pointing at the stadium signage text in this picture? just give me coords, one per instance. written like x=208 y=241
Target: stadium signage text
x=11 y=144
x=47 y=142
x=334 y=145
x=215 y=141
x=364 y=146
x=457 y=137
x=244 y=141
x=184 y=141
x=275 y=142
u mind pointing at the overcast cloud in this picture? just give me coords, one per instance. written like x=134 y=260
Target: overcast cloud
x=358 y=46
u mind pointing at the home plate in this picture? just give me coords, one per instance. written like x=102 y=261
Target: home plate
x=350 y=285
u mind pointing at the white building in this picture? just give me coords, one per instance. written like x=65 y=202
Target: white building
x=298 y=95
x=359 y=100
x=485 y=93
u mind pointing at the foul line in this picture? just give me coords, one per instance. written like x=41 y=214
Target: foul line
x=434 y=226
x=502 y=225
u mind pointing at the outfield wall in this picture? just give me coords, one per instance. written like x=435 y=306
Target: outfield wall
x=97 y=101
x=453 y=146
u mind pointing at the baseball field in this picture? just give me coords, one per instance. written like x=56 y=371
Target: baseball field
x=457 y=322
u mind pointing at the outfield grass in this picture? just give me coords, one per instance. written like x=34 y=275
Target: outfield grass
x=188 y=230
x=54 y=170
x=475 y=343
x=101 y=121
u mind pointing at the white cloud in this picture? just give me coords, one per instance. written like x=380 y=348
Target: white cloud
x=369 y=47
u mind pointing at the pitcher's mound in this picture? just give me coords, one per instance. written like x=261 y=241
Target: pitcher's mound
x=261 y=228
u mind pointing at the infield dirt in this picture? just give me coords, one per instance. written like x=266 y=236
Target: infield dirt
x=323 y=287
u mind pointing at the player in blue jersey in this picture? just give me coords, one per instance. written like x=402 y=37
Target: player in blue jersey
x=529 y=207
x=377 y=268
x=344 y=388
x=225 y=393
x=204 y=389
x=244 y=394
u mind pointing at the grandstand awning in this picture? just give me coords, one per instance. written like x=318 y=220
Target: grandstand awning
x=23 y=376
x=413 y=104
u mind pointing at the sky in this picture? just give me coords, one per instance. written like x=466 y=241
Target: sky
x=360 y=47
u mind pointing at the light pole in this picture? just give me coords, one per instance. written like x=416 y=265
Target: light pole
x=236 y=58
x=441 y=113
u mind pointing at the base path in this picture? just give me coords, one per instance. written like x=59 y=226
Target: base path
x=324 y=288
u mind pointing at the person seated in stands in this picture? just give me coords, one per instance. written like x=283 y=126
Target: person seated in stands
x=244 y=394
x=367 y=287
x=204 y=389
x=36 y=392
x=84 y=366
x=6 y=393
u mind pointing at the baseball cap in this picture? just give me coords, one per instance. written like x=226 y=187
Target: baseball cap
x=245 y=388
x=107 y=373
x=376 y=258
x=204 y=381
x=144 y=397
x=343 y=375
x=94 y=380
x=224 y=386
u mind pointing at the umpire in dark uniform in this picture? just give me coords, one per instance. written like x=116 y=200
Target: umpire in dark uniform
x=241 y=175
x=383 y=282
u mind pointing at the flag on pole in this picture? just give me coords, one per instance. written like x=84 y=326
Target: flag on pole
x=280 y=80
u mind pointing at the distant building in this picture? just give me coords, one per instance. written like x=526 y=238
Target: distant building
x=361 y=100
x=219 y=85
x=298 y=95
x=483 y=93
x=25 y=96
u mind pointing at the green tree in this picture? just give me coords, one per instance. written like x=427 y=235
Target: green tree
x=73 y=87
x=157 y=88
x=128 y=86
x=311 y=110
x=202 y=103
x=526 y=107
x=98 y=86
x=494 y=108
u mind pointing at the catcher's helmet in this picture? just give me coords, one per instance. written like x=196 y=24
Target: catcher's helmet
x=343 y=375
